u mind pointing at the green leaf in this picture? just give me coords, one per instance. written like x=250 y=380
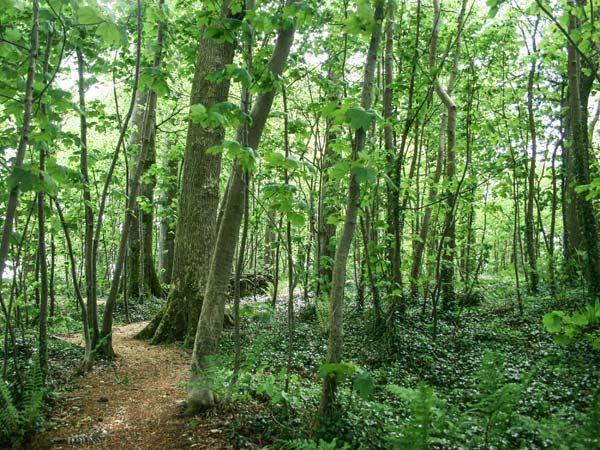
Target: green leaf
x=334 y=219
x=88 y=15
x=297 y=220
x=57 y=171
x=215 y=119
x=197 y=113
x=222 y=30
x=364 y=174
x=26 y=178
x=246 y=156
x=330 y=109
x=155 y=79
x=359 y=118
x=580 y=319
x=340 y=169
x=364 y=384
x=553 y=321
x=6 y=4
x=561 y=339
x=13 y=34
x=109 y=33
x=339 y=370
x=275 y=159
x=239 y=74
x=494 y=7
x=160 y=86
x=218 y=115
x=362 y=21
x=389 y=181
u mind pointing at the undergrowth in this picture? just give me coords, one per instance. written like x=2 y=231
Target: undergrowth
x=21 y=414
x=491 y=379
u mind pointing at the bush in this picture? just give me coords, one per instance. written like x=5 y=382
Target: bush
x=20 y=416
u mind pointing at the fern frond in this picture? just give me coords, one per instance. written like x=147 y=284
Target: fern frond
x=9 y=415
x=33 y=397
x=309 y=444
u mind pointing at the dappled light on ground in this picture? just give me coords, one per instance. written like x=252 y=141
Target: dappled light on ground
x=136 y=401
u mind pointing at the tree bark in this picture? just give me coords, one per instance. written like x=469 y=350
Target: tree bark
x=529 y=220
x=336 y=297
x=167 y=231
x=105 y=344
x=143 y=278
x=210 y=324
x=149 y=277
x=88 y=355
x=394 y=161
x=133 y=282
x=579 y=141
x=198 y=202
x=421 y=242
x=13 y=194
x=41 y=211
x=448 y=242
x=88 y=251
x=326 y=206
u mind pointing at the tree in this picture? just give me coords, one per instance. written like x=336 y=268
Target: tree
x=210 y=323
x=166 y=238
x=105 y=344
x=13 y=194
x=336 y=296
x=578 y=141
x=448 y=242
x=529 y=218
x=142 y=277
x=199 y=196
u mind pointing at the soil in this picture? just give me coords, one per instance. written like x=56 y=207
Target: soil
x=133 y=403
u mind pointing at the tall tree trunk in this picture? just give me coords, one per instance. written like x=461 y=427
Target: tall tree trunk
x=13 y=194
x=336 y=297
x=107 y=324
x=572 y=232
x=41 y=247
x=326 y=206
x=88 y=251
x=245 y=104
x=421 y=242
x=210 y=324
x=270 y=239
x=105 y=346
x=529 y=220
x=143 y=278
x=167 y=232
x=133 y=282
x=88 y=355
x=579 y=145
x=277 y=261
x=551 y=245
x=448 y=241
x=368 y=259
x=393 y=199
x=149 y=277
x=198 y=201
x=288 y=236
x=52 y=284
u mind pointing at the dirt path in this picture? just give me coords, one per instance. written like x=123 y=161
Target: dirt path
x=135 y=400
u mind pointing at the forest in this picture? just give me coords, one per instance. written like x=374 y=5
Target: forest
x=300 y=224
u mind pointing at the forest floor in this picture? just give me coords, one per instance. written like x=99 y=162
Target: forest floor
x=133 y=403
x=547 y=393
